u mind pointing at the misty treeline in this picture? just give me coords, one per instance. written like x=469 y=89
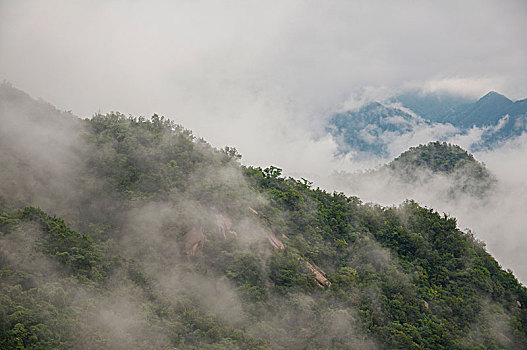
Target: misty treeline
x=439 y=167
x=120 y=232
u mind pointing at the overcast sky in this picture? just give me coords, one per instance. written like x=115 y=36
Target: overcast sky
x=258 y=75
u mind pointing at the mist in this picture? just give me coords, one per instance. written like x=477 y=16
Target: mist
x=497 y=218
x=264 y=79
x=258 y=77
x=156 y=245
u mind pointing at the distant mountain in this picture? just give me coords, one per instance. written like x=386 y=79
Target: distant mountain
x=433 y=107
x=438 y=157
x=487 y=111
x=518 y=108
x=467 y=174
x=452 y=170
x=372 y=128
x=460 y=111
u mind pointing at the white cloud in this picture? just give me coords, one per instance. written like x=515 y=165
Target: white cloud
x=467 y=87
x=499 y=220
x=250 y=74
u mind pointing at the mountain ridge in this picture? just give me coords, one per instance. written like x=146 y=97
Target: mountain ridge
x=442 y=116
x=148 y=237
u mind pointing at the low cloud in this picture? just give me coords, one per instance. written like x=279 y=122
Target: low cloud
x=498 y=218
x=466 y=87
x=261 y=78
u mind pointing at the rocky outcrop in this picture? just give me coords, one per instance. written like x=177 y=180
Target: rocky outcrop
x=224 y=226
x=320 y=275
x=275 y=241
x=194 y=240
x=269 y=283
x=277 y=244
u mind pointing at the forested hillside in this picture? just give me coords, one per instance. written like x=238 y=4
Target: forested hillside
x=467 y=174
x=440 y=170
x=131 y=233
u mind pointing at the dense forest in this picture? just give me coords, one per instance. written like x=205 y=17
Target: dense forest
x=128 y=232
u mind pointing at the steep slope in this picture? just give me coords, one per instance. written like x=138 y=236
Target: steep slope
x=43 y=150
x=513 y=123
x=370 y=129
x=170 y=243
x=487 y=111
x=518 y=108
x=434 y=107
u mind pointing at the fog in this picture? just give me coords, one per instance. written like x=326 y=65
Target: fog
x=47 y=154
x=264 y=79
x=257 y=76
x=497 y=218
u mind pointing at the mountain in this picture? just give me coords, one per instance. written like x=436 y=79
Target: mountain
x=467 y=174
x=372 y=129
x=433 y=107
x=443 y=171
x=438 y=157
x=459 y=111
x=487 y=111
x=120 y=232
x=518 y=108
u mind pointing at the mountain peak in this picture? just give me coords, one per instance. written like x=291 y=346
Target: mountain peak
x=494 y=97
x=491 y=93
x=470 y=176
x=437 y=156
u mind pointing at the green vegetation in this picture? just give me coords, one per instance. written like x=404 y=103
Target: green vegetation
x=171 y=243
x=438 y=157
x=469 y=175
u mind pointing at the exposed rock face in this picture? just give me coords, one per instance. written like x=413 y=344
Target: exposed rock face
x=320 y=276
x=224 y=226
x=277 y=244
x=194 y=240
x=269 y=283
x=275 y=241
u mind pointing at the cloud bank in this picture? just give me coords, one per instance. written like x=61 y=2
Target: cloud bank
x=259 y=77
x=498 y=219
